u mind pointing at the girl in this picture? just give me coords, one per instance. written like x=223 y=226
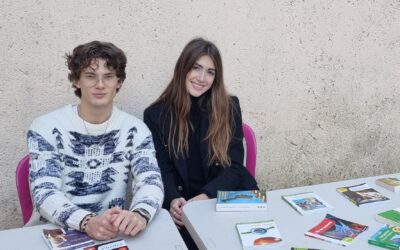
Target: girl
x=197 y=131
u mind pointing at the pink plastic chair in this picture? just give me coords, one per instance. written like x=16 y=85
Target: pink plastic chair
x=24 y=194
x=251 y=149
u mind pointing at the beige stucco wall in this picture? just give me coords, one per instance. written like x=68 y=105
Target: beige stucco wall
x=317 y=80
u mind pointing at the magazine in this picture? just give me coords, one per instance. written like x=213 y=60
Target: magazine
x=259 y=235
x=66 y=239
x=336 y=230
x=307 y=203
x=391 y=217
x=362 y=194
x=111 y=245
x=390 y=183
x=387 y=237
x=303 y=248
x=248 y=200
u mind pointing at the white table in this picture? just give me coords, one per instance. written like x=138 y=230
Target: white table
x=160 y=234
x=216 y=230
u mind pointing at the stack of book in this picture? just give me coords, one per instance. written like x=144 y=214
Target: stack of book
x=362 y=195
x=336 y=230
x=248 y=200
x=387 y=237
x=307 y=203
x=259 y=235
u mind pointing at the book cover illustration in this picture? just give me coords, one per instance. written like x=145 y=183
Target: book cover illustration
x=336 y=230
x=259 y=235
x=247 y=200
x=307 y=203
x=66 y=239
x=387 y=237
x=362 y=194
x=390 y=183
x=303 y=248
x=111 y=245
x=391 y=217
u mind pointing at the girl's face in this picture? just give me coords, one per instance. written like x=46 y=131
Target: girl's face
x=201 y=77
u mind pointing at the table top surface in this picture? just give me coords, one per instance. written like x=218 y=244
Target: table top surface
x=160 y=234
x=217 y=230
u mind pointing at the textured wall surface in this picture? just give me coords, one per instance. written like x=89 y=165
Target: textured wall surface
x=318 y=80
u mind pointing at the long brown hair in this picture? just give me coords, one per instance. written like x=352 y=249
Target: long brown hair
x=178 y=101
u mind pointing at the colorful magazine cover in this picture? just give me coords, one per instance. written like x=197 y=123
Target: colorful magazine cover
x=247 y=200
x=362 y=194
x=110 y=245
x=307 y=203
x=387 y=237
x=259 y=235
x=336 y=230
x=66 y=239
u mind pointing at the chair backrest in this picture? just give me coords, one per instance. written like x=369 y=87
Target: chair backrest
x=251 y=149
x=24 y=194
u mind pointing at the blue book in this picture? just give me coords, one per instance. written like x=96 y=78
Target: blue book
x=387 y=237
x=246 y=200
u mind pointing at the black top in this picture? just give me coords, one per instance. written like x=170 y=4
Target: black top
x=177 y=178
x=195 y=171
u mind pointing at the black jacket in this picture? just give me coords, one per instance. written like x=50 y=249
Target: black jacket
x=174 y=169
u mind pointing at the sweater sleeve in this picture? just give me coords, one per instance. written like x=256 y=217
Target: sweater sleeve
x=45 y=178
x=147 y=185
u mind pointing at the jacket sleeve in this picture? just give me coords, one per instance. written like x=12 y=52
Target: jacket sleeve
x=45 y=179
x=147 y=186
x=232 y=177
x=152 y=118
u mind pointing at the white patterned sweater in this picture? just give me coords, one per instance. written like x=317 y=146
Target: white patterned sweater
x=74 y=172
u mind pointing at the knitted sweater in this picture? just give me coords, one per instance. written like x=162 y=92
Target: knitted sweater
x=74 y=172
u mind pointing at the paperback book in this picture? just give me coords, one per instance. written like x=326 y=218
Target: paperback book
x=303 y=248
x=391 y=217
x=307 y=203
x=259 y=235
x=362 y=195
x=387 y=237
x=390 y=183
x=66 y=239
x=248 y=200
x=336 y=230
x=111 y=245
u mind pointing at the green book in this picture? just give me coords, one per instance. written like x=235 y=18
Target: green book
x=391 y=217
x=387 y=237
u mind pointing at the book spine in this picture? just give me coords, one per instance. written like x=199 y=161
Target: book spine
x=381 y=244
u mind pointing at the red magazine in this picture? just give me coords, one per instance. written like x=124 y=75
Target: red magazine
x=336 y=230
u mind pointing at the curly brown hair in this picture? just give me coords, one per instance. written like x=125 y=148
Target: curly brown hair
x=83 y=55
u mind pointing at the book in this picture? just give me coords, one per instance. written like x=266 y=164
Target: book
x=391 y=217
x=111 y=245
x=259 y=235
x=66 y=239
x=387 y=237
x=362 y=195
x=336 y=230
x=247 y=200
x=303 y=248
x=390 y=183
x=307 y=203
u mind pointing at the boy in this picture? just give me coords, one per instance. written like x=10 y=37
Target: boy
x=81 y=155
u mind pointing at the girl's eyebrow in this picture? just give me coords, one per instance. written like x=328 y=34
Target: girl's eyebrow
x=196 y=64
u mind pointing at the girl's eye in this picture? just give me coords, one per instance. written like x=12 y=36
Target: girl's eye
x=211 y=73
x=195 y=67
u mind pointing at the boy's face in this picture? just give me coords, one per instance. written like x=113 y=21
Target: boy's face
x=98 y=85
